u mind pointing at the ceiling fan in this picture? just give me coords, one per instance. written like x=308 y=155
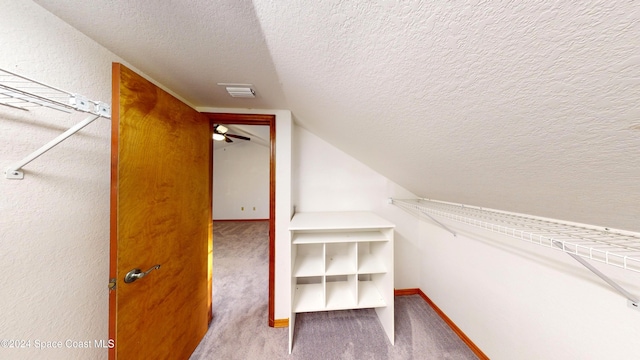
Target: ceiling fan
x=220 y=133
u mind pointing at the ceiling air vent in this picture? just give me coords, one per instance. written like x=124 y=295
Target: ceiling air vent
x=239 y=90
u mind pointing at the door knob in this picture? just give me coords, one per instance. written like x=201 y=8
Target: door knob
x=136 y=274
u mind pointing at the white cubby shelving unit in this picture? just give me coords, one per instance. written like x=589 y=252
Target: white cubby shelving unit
x=583 y=242
x=339 y=261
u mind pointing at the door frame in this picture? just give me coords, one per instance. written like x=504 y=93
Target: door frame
x=270 y=120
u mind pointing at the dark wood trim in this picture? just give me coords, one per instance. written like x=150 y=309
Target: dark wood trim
x=281 y=323
x=403 y=292
x=272 y=221
x=215 y=220
x=113 y=220
x=476 y=350
x=241 y=119
x=270 y=120
x=210 y=230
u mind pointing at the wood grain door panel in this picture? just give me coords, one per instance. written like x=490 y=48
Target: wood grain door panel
x=161 y=214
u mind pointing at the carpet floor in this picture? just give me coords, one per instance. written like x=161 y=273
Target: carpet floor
x=240 y=330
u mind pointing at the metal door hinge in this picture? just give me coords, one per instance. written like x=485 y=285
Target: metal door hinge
x=112 y=284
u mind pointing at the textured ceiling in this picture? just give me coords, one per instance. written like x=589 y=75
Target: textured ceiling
x=529 y=106
x=188 y=46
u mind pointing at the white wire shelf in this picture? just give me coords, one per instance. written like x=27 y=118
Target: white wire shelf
x=616 y=248
x=22 y=93
x=19 y=92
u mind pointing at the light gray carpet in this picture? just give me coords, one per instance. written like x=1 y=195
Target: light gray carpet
x=240 y=330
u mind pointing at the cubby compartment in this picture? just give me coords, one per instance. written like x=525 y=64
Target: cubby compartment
x=309 y=260
x=341 y=292
x=340 y=258
x=309 y=294
x=372 y=256
x=369 y=294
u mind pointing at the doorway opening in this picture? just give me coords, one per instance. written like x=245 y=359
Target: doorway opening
x=268 y=120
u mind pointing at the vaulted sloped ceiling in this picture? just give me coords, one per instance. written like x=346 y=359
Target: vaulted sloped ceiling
x=527 y=106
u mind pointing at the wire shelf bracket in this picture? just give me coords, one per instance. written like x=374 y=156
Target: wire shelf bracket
x=581 y=242
x=19 y=92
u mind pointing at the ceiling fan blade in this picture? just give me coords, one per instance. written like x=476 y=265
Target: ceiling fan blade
x=227 y=139
x=238 y=137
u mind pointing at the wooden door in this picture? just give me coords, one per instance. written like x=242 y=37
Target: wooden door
x=160 y=215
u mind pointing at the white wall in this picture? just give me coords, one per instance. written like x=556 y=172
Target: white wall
x=327 y=179
x=520 y=301
x=241 y=181
x=54 y=224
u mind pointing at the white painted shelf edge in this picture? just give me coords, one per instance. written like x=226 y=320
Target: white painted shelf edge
x=339 y=220
x=301 y=237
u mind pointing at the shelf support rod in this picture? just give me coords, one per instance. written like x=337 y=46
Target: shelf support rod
x=602 y=276
x=439 y=223
x=13 y=172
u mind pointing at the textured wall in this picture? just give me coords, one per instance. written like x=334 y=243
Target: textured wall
x=54 y=224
